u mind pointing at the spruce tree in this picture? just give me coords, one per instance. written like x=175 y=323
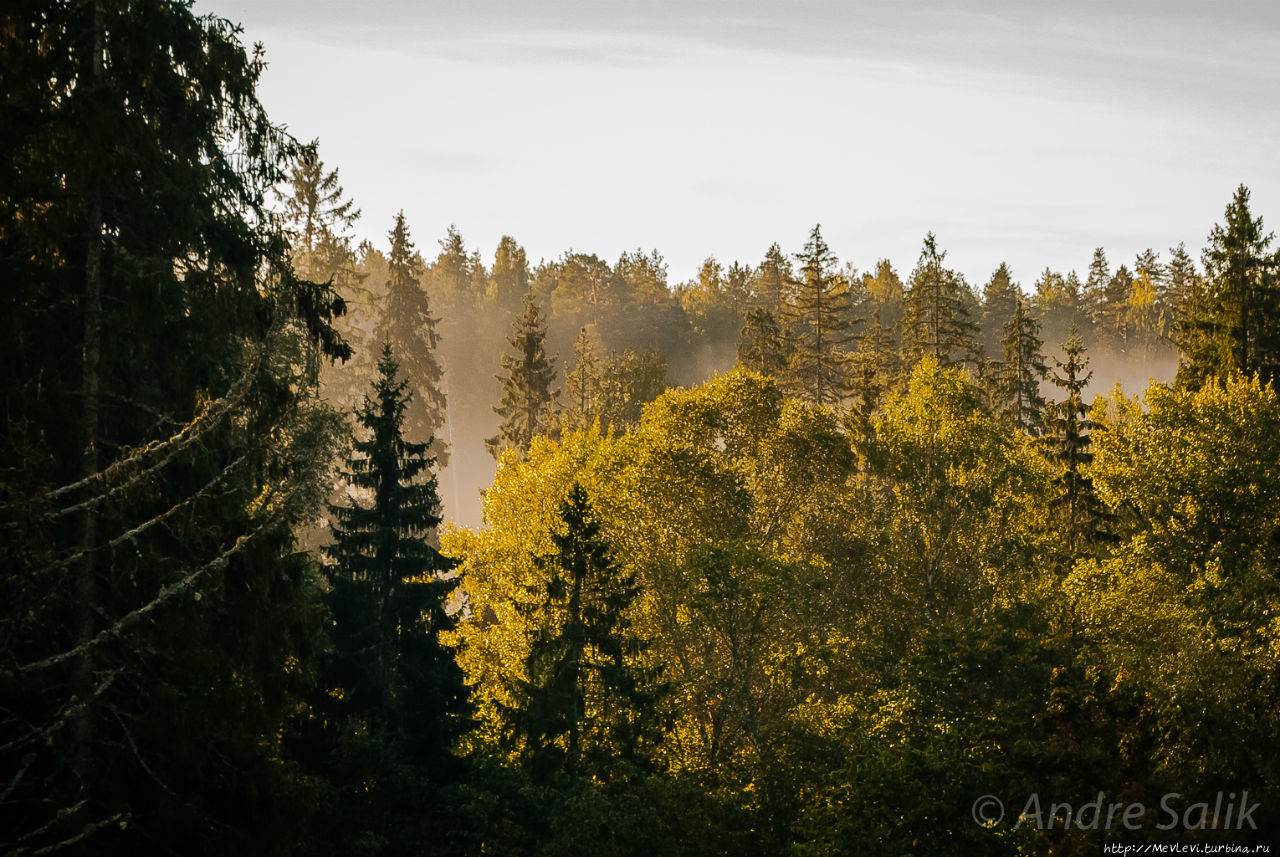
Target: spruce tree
x=393 y=695
x=407 y=326
x=1022 y=370
x=820 y=325
x=998 y=299
x=161 y=440
x=1094 y=297
x=1240 y=319
x=527 y=395
x=586 y=707
x=1084 y=517
x=937 y=315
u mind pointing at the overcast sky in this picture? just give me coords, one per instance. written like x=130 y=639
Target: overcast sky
x=1023 y=132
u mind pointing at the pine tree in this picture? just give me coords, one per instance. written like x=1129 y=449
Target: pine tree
x=586 y=708
x=527 y=396
x=937 y=317
x=820 y=326
x=409 y=328
x=394 y=687
x=1085 y=518
x=1022 y=370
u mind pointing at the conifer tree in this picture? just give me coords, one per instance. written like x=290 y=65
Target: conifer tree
x=161 y=439
x=527 y=395
x=409 y=328
x=998 y=299
x=877 y=365
x=582 y=383
x=773 y=280
x=393 y=687
x=315 y=209
x=1085 y=518
x=1239 y=323
x=1094 y=296
x=586 y=707
x=1022 y=370
x=762 y=347
x=509 y=279
x=937 y=317
x=820 y=325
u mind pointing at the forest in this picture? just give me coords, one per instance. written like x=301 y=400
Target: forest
x=317 y=546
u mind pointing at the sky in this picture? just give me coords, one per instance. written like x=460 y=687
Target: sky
x=1022 y=132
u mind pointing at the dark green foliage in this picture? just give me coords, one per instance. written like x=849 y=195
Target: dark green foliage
x=392 y=701
x=160 y=440
x=1083 y=517
x=1022 y=370
x=527 y=396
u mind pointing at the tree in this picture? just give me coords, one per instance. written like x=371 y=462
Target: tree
x=408 y=327
x=161 y=440
x=1095 y=286
x=509 y=279
x=1022 y=370
x=393 y=701
x=586 y=704
x=1083 y=517
x=527 y=395
x=999 y=296
x=819 y=323
x=582 y=383
x=1242 y=304
x=937 y=318
x=762 y=347
x=627 y=383
x=315 y=209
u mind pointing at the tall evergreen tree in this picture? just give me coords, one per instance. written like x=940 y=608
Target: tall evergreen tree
x=1240 y=319
x=773 y=280
x=586 y=708
x=161 y=438
x=582 y=382
x=527 y=395
x=1084 y=517
x=509 y=279
x=1094 y=297
x=820 y=325
x=1022 y=370
x=999 y=296
x=316 y=208
x=409 y=328
x=394 y=700
x=937 y=316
